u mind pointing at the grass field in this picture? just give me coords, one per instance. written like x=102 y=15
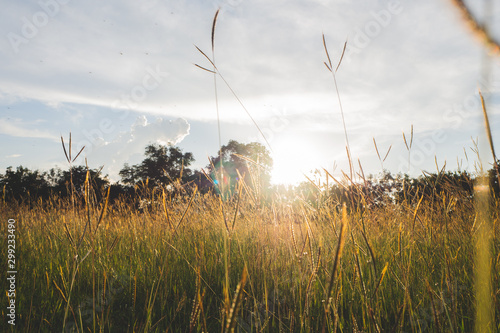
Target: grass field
x=305 y=260
x=195 y=262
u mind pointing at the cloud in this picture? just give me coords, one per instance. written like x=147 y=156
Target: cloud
x=90 y=59
x=129 y=146
x=11 y=127
x=94 y=55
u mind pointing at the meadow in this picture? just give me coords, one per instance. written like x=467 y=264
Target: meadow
x=300 y=261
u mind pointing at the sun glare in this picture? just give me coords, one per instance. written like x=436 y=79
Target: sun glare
x=292 y=158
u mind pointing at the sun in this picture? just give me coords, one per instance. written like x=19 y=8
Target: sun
x=292 y=158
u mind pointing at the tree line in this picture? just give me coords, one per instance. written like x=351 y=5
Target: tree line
x=168 y=167
x=163 y=166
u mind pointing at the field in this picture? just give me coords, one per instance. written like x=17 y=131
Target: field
x=300 y=261
x=345 y=254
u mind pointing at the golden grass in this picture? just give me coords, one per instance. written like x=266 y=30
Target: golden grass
x=307 y=266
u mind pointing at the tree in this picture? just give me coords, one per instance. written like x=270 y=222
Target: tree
x=23 y=183
x=60 y=180
x=162 y=166
x=252 y=161
x=494 y=177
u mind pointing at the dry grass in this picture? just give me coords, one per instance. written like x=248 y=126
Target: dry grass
x=398 y=267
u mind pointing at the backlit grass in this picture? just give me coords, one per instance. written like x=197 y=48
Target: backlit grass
x=404 y=267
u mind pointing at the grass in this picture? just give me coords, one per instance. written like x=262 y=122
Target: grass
x=404 y=267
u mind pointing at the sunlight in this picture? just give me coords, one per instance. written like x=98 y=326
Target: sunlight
x=292 y=158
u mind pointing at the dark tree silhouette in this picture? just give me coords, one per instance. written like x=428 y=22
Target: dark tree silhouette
x=60 y=180
x=23 y=183
x=494 y=177
x=162 y=166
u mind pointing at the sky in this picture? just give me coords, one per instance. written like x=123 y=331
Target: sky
x=119 y=75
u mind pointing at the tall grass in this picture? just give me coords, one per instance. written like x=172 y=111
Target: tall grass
x=289 y=266
x=485 y=310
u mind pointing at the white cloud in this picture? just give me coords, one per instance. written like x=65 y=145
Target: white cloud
x=131 y=144
x=14 y=127
x=94 y=54
x=91 y=54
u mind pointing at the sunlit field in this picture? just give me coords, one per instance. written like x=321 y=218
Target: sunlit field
x=307 y=260
x=221 y=249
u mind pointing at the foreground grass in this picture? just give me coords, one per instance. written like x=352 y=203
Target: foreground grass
x=176 y=266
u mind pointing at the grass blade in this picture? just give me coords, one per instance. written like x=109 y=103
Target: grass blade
x=376 y=149
x=78 y=154
x=246 y=110
x=213 y=29
x=186 y=210
x=341 y=57
x=64 y=148
x=490 y=137
x=236 y=210
x=205 y=69
x=103 y=211
x=165 y=210
x=70 y=145
x=480 y=30
x=387 y=154
x=338 y=255
x=327 y=54
x=384 y=270
x=238 y=297
x=208 y=58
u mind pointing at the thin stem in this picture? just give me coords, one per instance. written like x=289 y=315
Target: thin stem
x=343 y=123
x=218 y=119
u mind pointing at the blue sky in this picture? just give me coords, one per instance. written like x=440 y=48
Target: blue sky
x=120 y=75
